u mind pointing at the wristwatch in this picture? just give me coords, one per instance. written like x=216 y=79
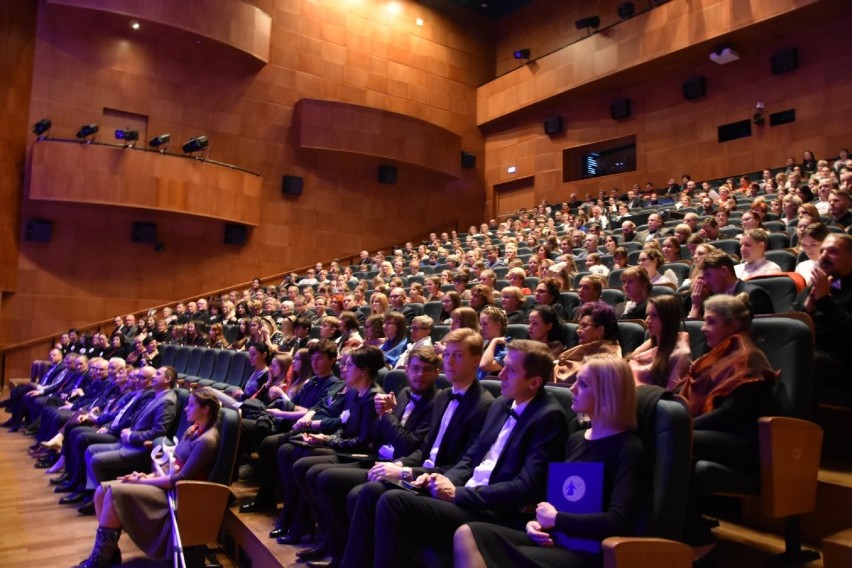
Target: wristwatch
x=405 y=474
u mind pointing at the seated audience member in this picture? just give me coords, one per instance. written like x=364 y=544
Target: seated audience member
x=492 y=327
x=655 y=229
x=543 y=326
x=516 y=277
x=460 y=279
x=749 y=221
x=449 y=303
x=480 y=297
x=828 y=300
x=810 y=242
x=547 y=293
x=729 y=388
x=395 y=329
x=838 y=205
x=671 y=250
x=399 y=303
x=504 y=472
x=628 y=231
x=137 y=502
x=710 y=229
x=420 y=333
x=400 y=429
x=590 y=290
x=433 y=289
x=682 y=232
x=457 y=418
x=108 y=461
x=379 y=304
x=350 y=433
x=54 y=375
x=665 y=356
x=637 y=289
x=512 y=300
x=597 y=332
x=652 y=260
x=619 y=258
x=753 y=246
x=605 y=393
x=718 y=277
x=595 y=265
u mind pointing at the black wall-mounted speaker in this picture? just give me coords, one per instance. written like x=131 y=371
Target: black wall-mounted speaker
x=694 y=89
x=38 y=230
x=145 y=233
x=236 y=234
x=785 y=61
x=291 y=185
x=553 y=125
x=620 y=109
x=468 y=160
x=387 y=174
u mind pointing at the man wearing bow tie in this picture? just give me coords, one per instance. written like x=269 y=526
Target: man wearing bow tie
x=828 y=300
x=499 y=478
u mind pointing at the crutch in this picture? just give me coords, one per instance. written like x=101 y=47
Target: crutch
x=163 y=455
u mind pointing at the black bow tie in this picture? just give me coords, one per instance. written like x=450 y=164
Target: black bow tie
x=456 y=396
x=511 y=412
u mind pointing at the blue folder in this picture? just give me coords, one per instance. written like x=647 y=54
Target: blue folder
x=576 y=487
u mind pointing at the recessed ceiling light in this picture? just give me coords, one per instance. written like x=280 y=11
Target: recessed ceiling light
x=511 y=169
x=419 y=21
x=135 y=25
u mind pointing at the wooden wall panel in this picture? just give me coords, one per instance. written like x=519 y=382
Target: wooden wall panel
x=17 y=28
x=685 y=30
x=238 y=25
x=110 y=175
x=356 y=53
x=675 y=136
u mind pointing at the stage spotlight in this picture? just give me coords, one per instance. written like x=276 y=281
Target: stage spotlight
x=129 y=136
x=161 y=141
x=592 y=23
x=196 y=144
x=41 y=127
x=522 y=54
x=87 y=132
x=626 y=10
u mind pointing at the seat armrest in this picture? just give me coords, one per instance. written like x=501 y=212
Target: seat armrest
x=638 y=552
x=200 y=509
x=789 y=463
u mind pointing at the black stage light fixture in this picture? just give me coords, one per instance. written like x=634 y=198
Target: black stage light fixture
x=41 y=127
x=196 y=144
x=87 y=132
x=521 y=54
x=160 y=141
x=129 y=136
x=592 y=23
x=626 y=10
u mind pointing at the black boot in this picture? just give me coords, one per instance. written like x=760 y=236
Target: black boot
x=104 y=551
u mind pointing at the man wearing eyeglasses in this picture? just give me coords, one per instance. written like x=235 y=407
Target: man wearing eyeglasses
x=420 y=332
x=399 y=303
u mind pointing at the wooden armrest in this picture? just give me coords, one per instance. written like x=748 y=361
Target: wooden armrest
x=635 y=552
x=789 y=462
x=200 y=509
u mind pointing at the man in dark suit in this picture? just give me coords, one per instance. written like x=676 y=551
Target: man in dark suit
x=718 y=277
x=457 y=417
x=828 y=300
x=53 y=376
x=105 y=429
x=501 y=475
x=655 y=229
x=399 y=303
x=108 y=461
x=400 y=429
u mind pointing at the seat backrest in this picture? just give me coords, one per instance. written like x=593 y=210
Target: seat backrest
x=416 y=307
x=730 y=246
x=631 y=335
x=180 y=423
x=667 y=432
x=181 y=358
x=194 y=362
x=438 y=332
x=492 y=386
x=783 y=258
x=568 y=334
x=579 y=276
x=680 y=269
x=612 y=296
x=433 y=310
x=781 y=289
x=614 y=278
x=229 y=442
x=531 y=282
x=239 y=364
x=208 y=363
x=778 y=241
x=570 y=301
x=789 y=346
x=168 y=353
x=518 y=331
x=565 y=398
x=222 y=366
x=394 y=381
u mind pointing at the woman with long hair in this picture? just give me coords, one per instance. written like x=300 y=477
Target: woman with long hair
x=664 y=358
x=543 y=326
x=604 y=392
x=137 y=502
x=378 y=304
x=216 y=337
x=449 y=303
x=651 y=260
x=395 y=328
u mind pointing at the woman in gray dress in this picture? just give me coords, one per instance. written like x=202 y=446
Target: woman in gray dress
x=138 y=504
